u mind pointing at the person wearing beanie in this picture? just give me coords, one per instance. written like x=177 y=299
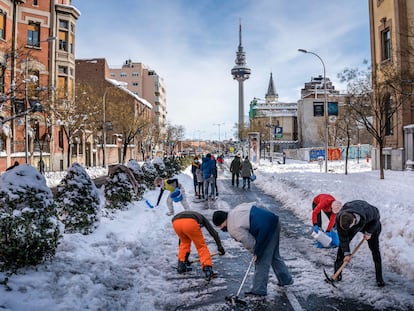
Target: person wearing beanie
x=258 y=229
x=359 y=216
x=195 y=165
x=329 y=205
x=187 y=225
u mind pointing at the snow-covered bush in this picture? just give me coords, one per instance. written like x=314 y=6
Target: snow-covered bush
x=173 y=166
x=150 y=173
x=160 y=167
x=29 y=225
x=136 y=170
x=119 y=191
x=78 y=201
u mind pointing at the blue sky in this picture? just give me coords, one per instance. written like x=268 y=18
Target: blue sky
x=192 y=44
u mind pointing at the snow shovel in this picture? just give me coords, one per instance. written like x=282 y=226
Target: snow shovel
x=332 y=279
x=235 y=299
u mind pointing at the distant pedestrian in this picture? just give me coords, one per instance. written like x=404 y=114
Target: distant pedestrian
x=215 y=175
x=235 y=167
x=187 y=225
x=246 y=172
x=194 y=166
x=200 y=183
x=170 y=185
x=359 y=216
x=208 y=167
x=258 y=229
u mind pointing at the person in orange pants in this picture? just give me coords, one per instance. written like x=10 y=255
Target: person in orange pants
x=187 y=225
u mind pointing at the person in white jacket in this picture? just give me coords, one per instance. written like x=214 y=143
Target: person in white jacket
x=258 y=229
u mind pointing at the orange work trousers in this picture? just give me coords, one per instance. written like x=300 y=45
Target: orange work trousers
x=189 y=230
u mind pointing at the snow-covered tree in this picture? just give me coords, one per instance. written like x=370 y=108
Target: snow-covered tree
x=150 y=172
x=78 y=201
x=136 y=170
x=119 y=191
x=29 y=225
x=160 y=167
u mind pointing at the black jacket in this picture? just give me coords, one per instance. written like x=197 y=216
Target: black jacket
x=369 y=222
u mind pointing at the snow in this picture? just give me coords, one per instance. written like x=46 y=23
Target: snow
x=123 y=264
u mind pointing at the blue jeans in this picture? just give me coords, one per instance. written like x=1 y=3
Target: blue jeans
x=270 y=257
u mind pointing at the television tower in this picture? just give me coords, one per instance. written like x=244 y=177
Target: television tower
x=241 y=73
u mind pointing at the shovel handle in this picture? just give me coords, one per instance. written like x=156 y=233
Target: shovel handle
x=346 y=262
x=198 y=259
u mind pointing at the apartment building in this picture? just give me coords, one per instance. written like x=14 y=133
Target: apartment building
x=36 y=52
x=147 y=84
x=119 y=110
x=392 y=46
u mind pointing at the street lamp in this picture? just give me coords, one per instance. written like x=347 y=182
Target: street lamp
x=325 y=105
x=118 y=84
x=219 y=124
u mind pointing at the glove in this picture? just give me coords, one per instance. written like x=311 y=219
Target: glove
x=316 y=228
x=221 y=250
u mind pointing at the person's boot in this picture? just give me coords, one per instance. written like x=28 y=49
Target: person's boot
x=182 y=267
x=378 y=275
x=186 y=261
x=208 y=272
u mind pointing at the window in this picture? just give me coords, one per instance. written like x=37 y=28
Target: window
x=134 y=83
x=135 y=74
x=35 y=2
x=112 y=75
x=123 y=74
x=60 y=140
x=63 y=24
x=318 y=109
x=2 y=25
x=386 y=44
x=33 y=31
x=388 y=116
x=63 y=40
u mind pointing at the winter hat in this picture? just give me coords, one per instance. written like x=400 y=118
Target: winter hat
x=336 y=206
x=219 y=217
x=346 y=219
x=208 y=155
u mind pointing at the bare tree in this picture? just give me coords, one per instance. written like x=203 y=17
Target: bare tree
x=375 y=98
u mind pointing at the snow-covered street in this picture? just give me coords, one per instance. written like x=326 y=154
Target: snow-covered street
x=128 y=262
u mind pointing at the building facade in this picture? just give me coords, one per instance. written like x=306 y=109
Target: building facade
x=392 y=46
x=147 y=84
x=275 y=121
x=121 y=116
x=36 y=43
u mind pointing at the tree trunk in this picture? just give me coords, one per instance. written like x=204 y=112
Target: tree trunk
x=381 y=161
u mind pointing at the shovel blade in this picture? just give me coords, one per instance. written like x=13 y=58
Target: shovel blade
x=328 y=279
x=234 y=300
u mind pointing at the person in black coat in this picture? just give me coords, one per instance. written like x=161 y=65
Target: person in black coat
x=359 y=216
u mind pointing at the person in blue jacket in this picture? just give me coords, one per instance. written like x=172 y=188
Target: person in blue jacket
x=208 y=168
x=258 y=229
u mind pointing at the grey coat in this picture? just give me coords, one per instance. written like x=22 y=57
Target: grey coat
x=246 y=168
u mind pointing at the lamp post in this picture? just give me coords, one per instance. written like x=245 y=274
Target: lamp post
x=325 y=105
x=219 y=124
